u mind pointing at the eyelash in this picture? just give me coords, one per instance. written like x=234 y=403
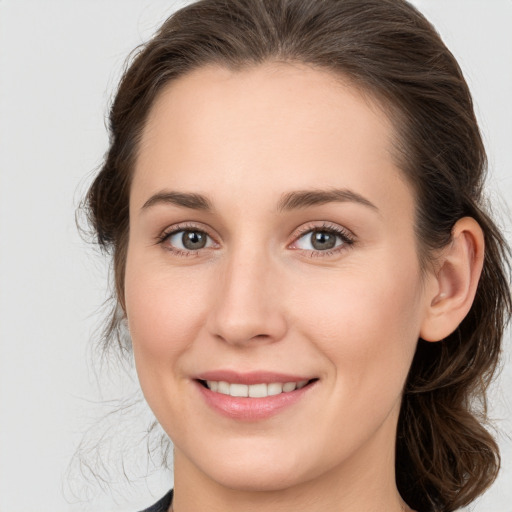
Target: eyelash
x=347 y=238
x=161 y=239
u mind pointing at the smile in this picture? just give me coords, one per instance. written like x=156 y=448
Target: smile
x=260 y=390
x=252 y=396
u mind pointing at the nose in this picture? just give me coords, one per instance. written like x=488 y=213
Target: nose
x=248 y=306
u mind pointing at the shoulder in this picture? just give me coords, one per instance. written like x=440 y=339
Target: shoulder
x=161 y=505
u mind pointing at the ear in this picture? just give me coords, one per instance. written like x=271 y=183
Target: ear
x=454 y=281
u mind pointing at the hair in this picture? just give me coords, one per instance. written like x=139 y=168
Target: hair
x=445 y=457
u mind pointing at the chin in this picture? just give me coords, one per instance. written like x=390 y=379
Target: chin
x=263 y=469
x=257 y=479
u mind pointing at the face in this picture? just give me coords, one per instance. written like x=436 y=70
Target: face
x=272 y=254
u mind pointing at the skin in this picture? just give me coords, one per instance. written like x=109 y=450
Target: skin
x=258 y=297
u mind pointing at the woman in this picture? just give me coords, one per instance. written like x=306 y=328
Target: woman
x=314 y=292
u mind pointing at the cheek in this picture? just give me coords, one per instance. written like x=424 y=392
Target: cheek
x=165 y=310
x=366 y=322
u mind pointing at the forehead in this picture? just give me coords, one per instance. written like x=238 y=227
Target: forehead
x=277 y=126
x=291 y=97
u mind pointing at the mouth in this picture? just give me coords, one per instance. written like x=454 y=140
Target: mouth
x=252 y=396
x=258 y=390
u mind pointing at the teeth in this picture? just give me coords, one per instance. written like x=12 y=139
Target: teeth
x=257 y=390
x=274 y=388
x=223 y=387
x=254 y=390
x=289 y=386
x=238 y=390
x=214 y=386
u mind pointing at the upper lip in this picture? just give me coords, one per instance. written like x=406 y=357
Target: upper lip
x=254 y=377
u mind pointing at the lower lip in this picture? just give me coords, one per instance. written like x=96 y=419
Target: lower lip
x=251 y=409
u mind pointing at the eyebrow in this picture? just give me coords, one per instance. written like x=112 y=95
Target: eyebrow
x=305 y=198
x=183 y=199
x=298 y=199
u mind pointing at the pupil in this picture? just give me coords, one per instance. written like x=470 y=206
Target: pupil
x=322 y=240
x=193 y=240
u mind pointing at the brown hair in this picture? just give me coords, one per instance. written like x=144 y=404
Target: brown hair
x=445 y=457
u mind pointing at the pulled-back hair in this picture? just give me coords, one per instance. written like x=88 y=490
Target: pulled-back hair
x=445 y=457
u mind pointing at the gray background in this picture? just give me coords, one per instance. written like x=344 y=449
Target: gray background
x=59 y=62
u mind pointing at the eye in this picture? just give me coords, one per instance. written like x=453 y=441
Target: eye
x=189 y=240
x=323 y=239
x=185 y=241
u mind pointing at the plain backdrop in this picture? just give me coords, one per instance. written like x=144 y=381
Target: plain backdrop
x=59 y=63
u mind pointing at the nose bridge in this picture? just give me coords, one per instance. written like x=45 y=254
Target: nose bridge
x=246 y=306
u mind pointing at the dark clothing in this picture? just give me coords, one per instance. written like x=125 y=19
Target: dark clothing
x=161 y=505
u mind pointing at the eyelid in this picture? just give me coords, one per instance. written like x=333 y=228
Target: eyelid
x=184 y=226
x=348 y=238
x=323 y=226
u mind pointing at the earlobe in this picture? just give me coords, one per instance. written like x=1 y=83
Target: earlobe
x=455 y=281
